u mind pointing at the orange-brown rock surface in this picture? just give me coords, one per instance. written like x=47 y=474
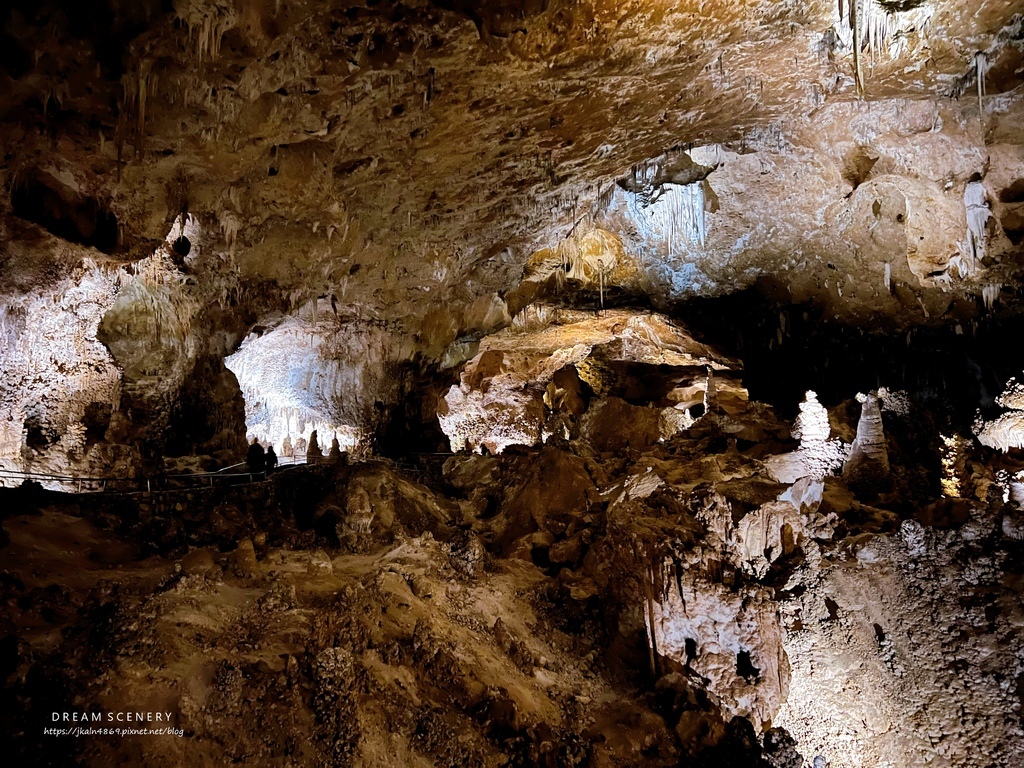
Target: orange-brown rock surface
x=666 y=353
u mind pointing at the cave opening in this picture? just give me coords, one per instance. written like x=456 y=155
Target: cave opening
x=182 y=246
x=39 y=434
x=96 y=420
x=64 y=212
x=745 y=667
x=296 y=400
x=690 y=646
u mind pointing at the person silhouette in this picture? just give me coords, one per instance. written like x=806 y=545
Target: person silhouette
x=270 y=459
x=256 y=458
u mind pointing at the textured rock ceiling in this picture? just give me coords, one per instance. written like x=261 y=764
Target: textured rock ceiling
x=413 y=146
x=425 y=169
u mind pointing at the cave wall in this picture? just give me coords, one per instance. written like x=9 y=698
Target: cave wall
x=404 y=165
x=61 y=386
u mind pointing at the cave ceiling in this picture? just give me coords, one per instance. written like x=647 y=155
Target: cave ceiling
x=387 y=183
x=391 y=154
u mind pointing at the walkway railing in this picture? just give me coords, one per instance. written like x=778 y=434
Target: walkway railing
x=236 y=474
x=75 y=484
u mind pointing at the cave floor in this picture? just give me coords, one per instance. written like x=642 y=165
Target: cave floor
x=504 y=613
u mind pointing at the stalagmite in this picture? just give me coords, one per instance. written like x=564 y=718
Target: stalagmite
x=978 y=213
x=818 y=456
x=869 y=445
x=710 y=392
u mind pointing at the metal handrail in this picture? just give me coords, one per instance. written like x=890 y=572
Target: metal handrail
x=144 y=483
x=225 y=469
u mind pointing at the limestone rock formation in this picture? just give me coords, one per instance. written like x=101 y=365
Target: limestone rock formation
x=733 y=640
x=868 y=457
x=504 y=399
x=582 y=293
x=1005 y=432
x=818 y=455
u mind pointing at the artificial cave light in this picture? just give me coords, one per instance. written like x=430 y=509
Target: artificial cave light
x=953 y=458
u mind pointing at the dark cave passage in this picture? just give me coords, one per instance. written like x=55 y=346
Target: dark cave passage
x=65 y=213
x=955 y=373
x=379 y=389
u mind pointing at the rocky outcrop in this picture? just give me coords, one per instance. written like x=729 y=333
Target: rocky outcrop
x=818 y=456
x=503 y=397
x=61 y=386
x=1005 y=432
x=731 y=639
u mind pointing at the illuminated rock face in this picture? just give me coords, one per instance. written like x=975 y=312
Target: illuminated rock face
x=773 y=530
x=115 y=365
x=817 y=456
x=60 y=385
x=168 y=330
x=731 y=639
x=865 y=648
x=1006 y=431
x=304 y=376
x=525 y=378
x=308 y=223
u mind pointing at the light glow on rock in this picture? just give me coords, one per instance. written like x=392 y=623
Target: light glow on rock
x=54 y=370
x=305 y=375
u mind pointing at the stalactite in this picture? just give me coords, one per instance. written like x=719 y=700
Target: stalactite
x=230 y=225
x=990 y=294
x=866 y=26
x=856 y=47
x=981 y=69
